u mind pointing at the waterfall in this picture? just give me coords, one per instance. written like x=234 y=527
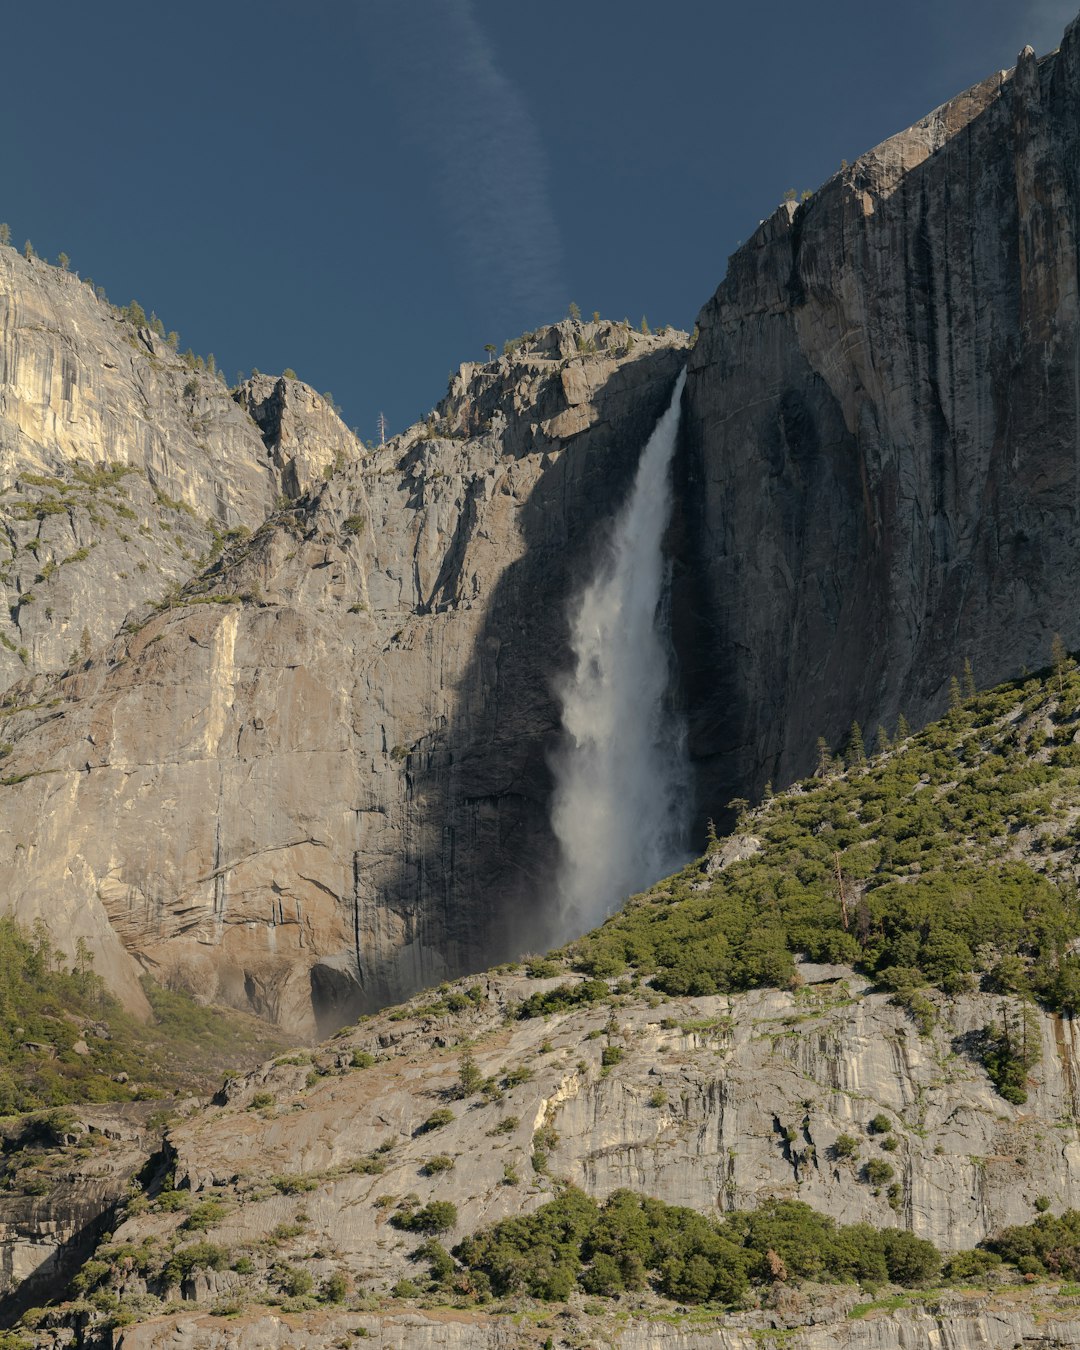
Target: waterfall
x=622 y=776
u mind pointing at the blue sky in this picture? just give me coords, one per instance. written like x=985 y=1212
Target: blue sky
x=371 y=190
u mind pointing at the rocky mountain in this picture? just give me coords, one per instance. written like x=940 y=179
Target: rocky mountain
x=881 y=435
x=308 y=774
x=346 y=1175
x=288 y=734
x=278 y=729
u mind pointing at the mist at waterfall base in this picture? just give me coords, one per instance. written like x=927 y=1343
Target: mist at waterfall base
x=622 y=778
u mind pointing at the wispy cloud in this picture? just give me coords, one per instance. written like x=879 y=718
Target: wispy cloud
x=1045 y=20
x=490 y=167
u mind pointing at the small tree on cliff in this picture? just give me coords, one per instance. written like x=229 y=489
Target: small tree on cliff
x=856 y=750
x=5 y=232
x=1059 y=659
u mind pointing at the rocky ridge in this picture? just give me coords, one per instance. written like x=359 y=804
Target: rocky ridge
x=713 y=1103
x=312 y=775
x=884 y=385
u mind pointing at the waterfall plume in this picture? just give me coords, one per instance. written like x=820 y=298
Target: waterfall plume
x=622 y=774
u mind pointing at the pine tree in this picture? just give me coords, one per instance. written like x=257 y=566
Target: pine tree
x=824 y=759
x=1059 y=659
x=28 y=249
x=856 y=751
x=969 y=679
x=572 y=312
x=5 y=232
x=903 y=731
x=469 y=1075
x=63 y=261
x=712 y=843
x=955 y=697
x=740 y=806
x=881 y=743
x=645 y=325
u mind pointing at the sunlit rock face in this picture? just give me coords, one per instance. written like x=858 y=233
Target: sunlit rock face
x=318 y=774
x=311 y=775
x=881 y=461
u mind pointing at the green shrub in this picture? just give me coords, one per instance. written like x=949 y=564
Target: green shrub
x=296 y=1282
x=442 y=1162
x=877 y=1172
x=293 y=1185
x=261 y=1101
x=196 y=1256
x=881 y=1124
x=438 y=1216
x=334 y=1288
x=630 y=1241
x=361 y=1059
x=436 y=1121
x=204 y=1215
x=846 y=1146
x=542 y=969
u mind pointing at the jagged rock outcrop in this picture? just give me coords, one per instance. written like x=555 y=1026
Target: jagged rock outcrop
x=48 y=1231
x=118 y=463
x=880 y=473
x=757 y=1088
x=316 y=778
x=714 y=1103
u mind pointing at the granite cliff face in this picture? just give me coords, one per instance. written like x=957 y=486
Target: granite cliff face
x=716 y=1104
x=312 y=775
x=288 y=741
x=881 y=455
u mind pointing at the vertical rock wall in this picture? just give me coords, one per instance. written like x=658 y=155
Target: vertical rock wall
x=881 y=465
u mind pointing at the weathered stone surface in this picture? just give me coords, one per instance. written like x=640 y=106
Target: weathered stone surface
x=715 y=1103
x=971 y=1323
x=82 y=389
x=318 y=778
x=880 y=472
x=45 y=1238
x=756 y=1089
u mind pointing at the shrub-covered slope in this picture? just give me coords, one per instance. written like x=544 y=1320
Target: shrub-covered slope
x=949 y=858
x=666 y=1109
x=64 y=1039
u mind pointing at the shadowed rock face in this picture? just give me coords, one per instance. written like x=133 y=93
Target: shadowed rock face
x=881 y=459
x=315 y=777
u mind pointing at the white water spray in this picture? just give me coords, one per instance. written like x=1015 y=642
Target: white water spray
x=622 y=780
